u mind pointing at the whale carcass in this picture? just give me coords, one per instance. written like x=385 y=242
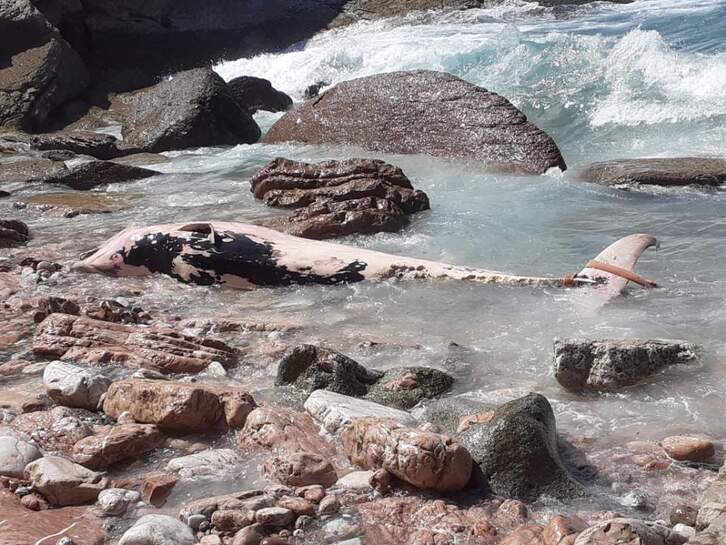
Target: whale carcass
x=249 y=256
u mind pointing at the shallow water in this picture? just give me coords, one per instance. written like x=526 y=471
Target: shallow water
x=645 y=79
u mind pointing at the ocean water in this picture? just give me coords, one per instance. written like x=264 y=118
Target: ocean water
x=646 y=79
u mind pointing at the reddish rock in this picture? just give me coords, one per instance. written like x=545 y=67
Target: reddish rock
x=313 y=493
x=381 y=481
x=525 y=535
x=300 y=469
x=156 y=488
x=690 y=449
x=57 y=429
x=512 y=513
x=251 y=535
x=560 y=530
x=299 y=506
x=424 y=459
x=23 y=526
x=85 y=340
x=34 y=502
x=228 y=520
x=179 y=406
x=116 y=443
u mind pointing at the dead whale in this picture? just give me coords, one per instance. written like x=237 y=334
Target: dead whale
x=249 y=256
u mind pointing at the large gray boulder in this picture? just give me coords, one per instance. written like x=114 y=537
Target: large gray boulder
x=15 y=454
x=670 y=171
x=62 y=482
x=422 y=112
x=515 y=446
x=581 y=364
x=158 y=530
x=74 y=386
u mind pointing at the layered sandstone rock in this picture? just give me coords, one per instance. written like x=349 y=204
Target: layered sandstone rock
x=423 y=112
x=425 y=460
x=85 y=340
x=179 y=406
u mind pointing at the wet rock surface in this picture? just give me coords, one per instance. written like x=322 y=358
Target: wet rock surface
x=71 y=204
x=255 y=94
x=85 y=340
x=179 y=406
x=13 y=233
x=426 y=460
x=609 y=364
x=676 y=171
x=494 y=132
x=98 y=145
x=338 y=198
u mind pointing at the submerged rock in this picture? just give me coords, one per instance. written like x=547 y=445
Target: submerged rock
x=13 y=233
x=422 y=112
x=425 y=460
x=212 y=462
x=515 y=446
x=85 y=340
x=179 y=406
x=310 y=367
x=581 y=364
x=691 y=449
x=62 y=482
x=335 y=411
x=158 y=530
x=74 y=386
x=675 y=171
x=258 y=94
x=338 y=198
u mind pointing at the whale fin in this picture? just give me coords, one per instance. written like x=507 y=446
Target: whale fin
x=613 y=267
x=203 y=228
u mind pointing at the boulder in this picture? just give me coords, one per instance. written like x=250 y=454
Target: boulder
x=212 y=462
x=179 y=406
x=62 y=482
x=258 y=94
x=300 y=469
x=95 y=144
x=85 y=340
x=57 y=429
x=116 y=443
x=192 y=109
x=74 y=386
x=158 y=530
x=23 y=526
x=338 y=198
x=335 y=411
x=39 y=77
x=690 y=449
x=405 y=387
x=114 y=502
x=26 y=170
x=581 y=364
x=675 y=171
x=13 y=233
x=423 y=459
x=515 y=447
x=422 y=112
x=15 y=454
x=623 y=530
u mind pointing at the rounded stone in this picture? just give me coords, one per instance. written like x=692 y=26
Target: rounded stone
x=688 y=449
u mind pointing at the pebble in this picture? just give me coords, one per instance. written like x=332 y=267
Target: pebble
x=329 y=506
x=688 y=449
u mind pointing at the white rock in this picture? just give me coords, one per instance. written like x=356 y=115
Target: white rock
x=114 y=502
x=15 y=454
x=685 y=531
x=158 y=530
x=358 y=481
x=205 y=463
x=74 y=386
x=335 y=411
x=64 y=483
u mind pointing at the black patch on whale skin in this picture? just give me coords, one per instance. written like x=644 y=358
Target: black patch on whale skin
x=227 y=253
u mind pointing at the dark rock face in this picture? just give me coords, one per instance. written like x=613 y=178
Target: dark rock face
x=193 y=109
x=676 y=171
x=13 y=233
x=422 y=112
x=41 y=71
x=515 y=447
x=338 y=198
x=309 y=368
x=100 y=146
x=608 y=365
x=258 y=94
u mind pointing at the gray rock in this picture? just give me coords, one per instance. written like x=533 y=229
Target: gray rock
x=258 y=94
x=422 y=112
x=447 y=413
x=26 y=170
x=623 y=530
x=673 y=171
x=581 y=364
x=309 y=368
x=158 y=530
x=114 y=502
x=15 y=454
x=207 y=463
x=98 y=145
x=13 y=233
x=355 y=481
x=193 y=109
x=516 y=449
x=62 y=482
x=335 y=411
x=74 y=386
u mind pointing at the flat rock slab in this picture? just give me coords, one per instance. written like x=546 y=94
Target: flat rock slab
x=583 y=364
x=85 y=340
x=70 y=204
x=335 y=411
x=422 y=112
x=675 y=171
